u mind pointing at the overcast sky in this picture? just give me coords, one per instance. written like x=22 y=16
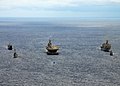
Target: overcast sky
x=60 y=8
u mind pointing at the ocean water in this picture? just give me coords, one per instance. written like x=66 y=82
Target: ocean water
x=80 y=61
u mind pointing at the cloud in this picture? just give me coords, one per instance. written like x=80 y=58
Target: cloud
x=10 y=4
x=69 y=8
x=59 y=7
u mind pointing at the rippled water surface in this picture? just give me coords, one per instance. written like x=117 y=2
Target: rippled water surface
x=80 y=61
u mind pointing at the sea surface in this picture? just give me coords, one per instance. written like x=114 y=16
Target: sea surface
x=80 y=61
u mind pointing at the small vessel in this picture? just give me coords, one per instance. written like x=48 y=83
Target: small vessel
x=106 y=46
x=52 y=49
x=111 y=53
x=15 y=55
x=10 y=47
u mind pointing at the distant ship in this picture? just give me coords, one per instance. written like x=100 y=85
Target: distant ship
x=106 y=46
x=10 y=47
x=52 y=49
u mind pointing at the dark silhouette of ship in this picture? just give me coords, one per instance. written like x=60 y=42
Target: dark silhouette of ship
x=52 y=49
x=106 y=46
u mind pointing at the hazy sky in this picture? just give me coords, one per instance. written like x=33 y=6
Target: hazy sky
x=60 y=8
